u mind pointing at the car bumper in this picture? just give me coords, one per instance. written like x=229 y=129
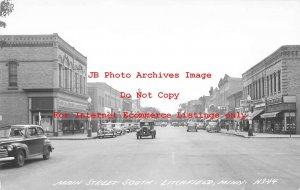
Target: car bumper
x=6 y=159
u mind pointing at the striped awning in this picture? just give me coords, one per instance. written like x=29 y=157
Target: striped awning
x=269 y=115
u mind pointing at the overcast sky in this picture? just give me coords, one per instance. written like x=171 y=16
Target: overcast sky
x=175 y=36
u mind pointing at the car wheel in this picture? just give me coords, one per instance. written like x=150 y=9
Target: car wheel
x=20 y=158
x=47 y=155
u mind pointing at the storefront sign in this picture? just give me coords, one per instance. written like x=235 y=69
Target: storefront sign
x=245 y=103
x=289 y=99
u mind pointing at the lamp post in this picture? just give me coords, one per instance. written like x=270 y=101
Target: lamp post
x=250 y=130
x=89 y=131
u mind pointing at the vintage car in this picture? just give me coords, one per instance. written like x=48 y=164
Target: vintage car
x=146 y=129
x=21 y=142
x=164 y=124
x=201 y=125
x=192 y=126
x=106 y=130
x=213 y=127
x=119 y=128
x=175 y=124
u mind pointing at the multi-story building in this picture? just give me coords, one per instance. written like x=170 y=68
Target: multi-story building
x=227 y=86
x=40 y=75
x=274 y=87
x=105 y=99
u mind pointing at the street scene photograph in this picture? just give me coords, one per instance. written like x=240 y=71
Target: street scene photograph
x=149 y=94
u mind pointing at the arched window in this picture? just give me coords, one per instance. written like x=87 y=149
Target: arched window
x=279 y=82
x=60 y=75
x=274 y=82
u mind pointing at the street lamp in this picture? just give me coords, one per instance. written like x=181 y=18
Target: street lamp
x=89 y=131
x=250 y=130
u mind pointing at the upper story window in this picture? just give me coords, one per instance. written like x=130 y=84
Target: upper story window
x=13 y=74
x=268 y=86
x=274 y=82
x=279 y=81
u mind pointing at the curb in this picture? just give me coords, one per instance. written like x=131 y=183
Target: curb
x=275 y=137
x=64 y=138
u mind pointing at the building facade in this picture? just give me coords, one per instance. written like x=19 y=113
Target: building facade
x=105 y=99
x=40 y=75
x=273 y=85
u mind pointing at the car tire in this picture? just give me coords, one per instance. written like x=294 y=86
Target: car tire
x=19 y=158
x=47 y=155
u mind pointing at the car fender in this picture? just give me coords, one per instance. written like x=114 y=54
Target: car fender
x=20 y=146
x=47 y=145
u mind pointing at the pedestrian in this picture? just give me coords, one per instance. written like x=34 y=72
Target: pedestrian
x=272 y=127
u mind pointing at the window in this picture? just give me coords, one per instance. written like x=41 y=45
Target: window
x=259 y=88
x=274 y=82
x=76 y=82
x=271 y=84
x=31 y=131
x=263 y=87
x=13 y=74
x=279 y=81
x=60 y=75
x=66 y=77
x=268 y=86
x=40 y=131
x=71 y=80
x=80 y=84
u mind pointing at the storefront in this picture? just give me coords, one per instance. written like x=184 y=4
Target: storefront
x=42 y=106
x=280 y=122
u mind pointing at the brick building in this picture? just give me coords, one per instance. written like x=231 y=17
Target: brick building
x=274 y=87
x=105 y=99
x=39 y=75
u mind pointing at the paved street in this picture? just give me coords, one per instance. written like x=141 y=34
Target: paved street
x=176 y=159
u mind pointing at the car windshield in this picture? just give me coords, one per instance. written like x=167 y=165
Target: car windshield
x=11 y=132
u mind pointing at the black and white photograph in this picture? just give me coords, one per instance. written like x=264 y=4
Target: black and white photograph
x=149 y=94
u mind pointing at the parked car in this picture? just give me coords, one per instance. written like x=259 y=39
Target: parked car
x=201 y=125
x=164 y=124
x=146 y=129
x=21 y=142
x=192 y=126
x=106 y=130
x=213 y=127
x=119 y=128
x=129 y=127
x=175 y=124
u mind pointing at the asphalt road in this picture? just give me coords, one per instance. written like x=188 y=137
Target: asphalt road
x=176 y=159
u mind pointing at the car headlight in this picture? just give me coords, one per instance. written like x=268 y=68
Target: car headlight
x=10 y=147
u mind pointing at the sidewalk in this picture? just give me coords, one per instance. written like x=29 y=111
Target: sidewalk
x=74 y=137
x=257 y=135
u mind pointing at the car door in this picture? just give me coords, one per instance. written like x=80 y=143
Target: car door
x=41 y=139
x=32 y=141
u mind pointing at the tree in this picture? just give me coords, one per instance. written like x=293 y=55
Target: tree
x=6 y=7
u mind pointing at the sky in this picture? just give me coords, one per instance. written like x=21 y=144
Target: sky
x=170 y=36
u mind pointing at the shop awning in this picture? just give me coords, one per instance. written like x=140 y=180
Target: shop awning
x=255 y=113
x=269 y=115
